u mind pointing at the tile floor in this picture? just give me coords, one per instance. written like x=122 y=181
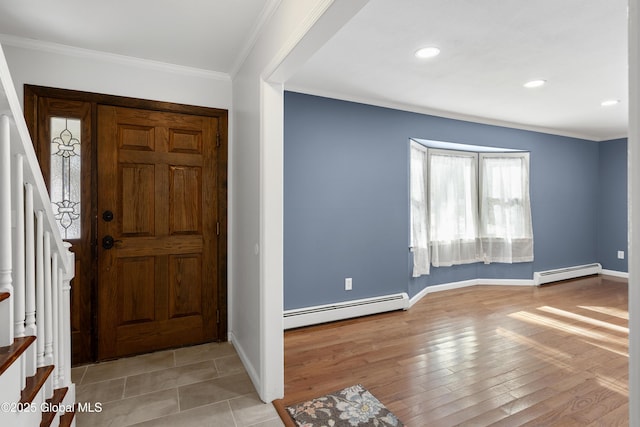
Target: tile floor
x=205 y=385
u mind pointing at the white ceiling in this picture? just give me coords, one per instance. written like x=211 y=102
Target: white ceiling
x=489 y=49
x=206 y=34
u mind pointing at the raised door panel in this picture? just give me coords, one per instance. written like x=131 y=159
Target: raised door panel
x=136 y=289
x=136 y=137
x=185 y=285
x=185 y=141
x=137 y=199
x=185 y=200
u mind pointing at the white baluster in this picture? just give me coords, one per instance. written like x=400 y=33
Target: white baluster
x=59 y=344
x=48 y=304
x=18 y=247
x=40 y=287
x=55 y=285
x=66 y=317
x=18 y=259
x=30 y=263
x=6 y=330
x=30 y=278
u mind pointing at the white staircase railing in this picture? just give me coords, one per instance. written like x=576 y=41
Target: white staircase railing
x=36 y=266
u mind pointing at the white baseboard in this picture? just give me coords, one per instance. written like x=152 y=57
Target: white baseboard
x=439 y=288
x=614 y=273
x=253 y=374
x=467 y=283
x=506 y=282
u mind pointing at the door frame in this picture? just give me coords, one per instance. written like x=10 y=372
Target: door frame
x=32 y=95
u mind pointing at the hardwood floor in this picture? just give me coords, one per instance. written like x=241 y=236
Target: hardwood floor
x=479 y=356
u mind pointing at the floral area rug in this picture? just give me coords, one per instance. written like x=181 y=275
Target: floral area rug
x=352 y=407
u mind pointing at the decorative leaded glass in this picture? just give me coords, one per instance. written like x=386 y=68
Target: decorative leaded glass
x=65 y=175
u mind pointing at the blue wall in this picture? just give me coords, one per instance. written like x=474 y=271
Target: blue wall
x=612 y=205
x=346 y=209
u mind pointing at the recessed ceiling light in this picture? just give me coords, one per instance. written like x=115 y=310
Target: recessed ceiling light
x=535 y=83
x=427 y=52
x=610 y=102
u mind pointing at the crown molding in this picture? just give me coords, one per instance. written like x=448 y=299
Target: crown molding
x=61 y=49
x=267 y=12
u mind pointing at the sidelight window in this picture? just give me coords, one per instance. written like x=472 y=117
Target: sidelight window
x=65 y=137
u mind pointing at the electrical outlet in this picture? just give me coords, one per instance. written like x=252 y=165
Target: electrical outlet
x=348 y=284
x=620 y=254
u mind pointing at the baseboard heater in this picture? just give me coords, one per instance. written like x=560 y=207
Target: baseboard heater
x=542 y=277
x=344 y=310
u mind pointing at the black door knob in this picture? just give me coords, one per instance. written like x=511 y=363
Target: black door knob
x=107 y=216
x=108 y=242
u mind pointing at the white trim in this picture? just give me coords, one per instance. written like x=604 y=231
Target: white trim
x=467 y=283
x=251 y=371
x=506 y=282
x=277 y=64
x=439 y=288
x=633 y=191
x=61 y=49
x=321 y=22
x=271 y=241
x=267 y=12
x=614 y=273
x=442 y=113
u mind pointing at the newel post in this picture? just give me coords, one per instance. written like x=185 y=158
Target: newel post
x=6 y=311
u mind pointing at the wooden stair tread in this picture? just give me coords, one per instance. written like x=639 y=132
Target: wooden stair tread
x=54 y=401
x=66 y=419
x=4 y=296
x=11 y=353
x=35 y=383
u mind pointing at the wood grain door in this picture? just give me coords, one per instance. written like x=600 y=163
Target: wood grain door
x=158 y=228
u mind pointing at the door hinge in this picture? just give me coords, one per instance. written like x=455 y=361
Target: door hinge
x=217 y=140
x=217 y=316
x=217 y=228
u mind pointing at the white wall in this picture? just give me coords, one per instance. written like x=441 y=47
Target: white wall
x=634 y=213
x=250 y=298
x=68 y=68
x=292 y=34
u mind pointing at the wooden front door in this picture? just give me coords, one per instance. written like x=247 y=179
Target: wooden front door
x=157 y=230
x=154 y=180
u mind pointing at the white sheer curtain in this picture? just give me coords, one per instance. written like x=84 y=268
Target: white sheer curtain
x=460 y=216
x=505 y=209
x=453 y=207
x=419 y=213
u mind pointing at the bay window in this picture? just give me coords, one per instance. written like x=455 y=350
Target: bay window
x=469 y=207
